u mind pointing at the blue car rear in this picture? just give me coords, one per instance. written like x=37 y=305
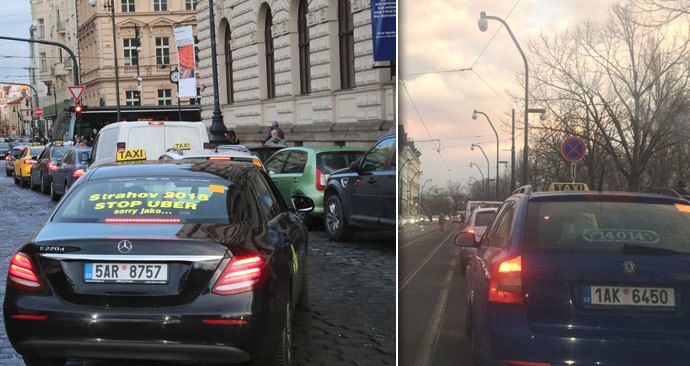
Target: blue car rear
x=582 y=279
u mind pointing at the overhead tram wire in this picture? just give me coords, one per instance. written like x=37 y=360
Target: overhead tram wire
x=414 y=106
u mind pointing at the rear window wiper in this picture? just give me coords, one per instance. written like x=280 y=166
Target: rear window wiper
x=643 y=249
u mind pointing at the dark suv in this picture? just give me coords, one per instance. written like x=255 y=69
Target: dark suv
x=363 y=195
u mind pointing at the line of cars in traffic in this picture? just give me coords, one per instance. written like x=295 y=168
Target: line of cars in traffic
x=166 y=248
x=570 y=278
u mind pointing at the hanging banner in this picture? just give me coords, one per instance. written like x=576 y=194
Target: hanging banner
x=383 y=15
x=184 y=40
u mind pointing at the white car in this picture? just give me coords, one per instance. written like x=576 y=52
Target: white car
x=154 y=138
x=476 y=225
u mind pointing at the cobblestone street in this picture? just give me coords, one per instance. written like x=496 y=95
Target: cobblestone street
x=351 y=315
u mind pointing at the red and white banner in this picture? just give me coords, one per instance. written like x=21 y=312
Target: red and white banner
x=184 y=40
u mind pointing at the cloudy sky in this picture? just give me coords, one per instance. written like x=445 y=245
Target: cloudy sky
x=443 y=35
x=15 y=20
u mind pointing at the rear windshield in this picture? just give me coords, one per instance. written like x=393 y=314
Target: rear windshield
x=4 y=145
x=125 y=200
x=17 y=152
x=84 y=157
x=36 y=151
x=329 y=162
x=57 y=152
x=608 y=226
x=484 y=218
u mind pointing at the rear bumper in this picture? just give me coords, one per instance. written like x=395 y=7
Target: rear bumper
x=513 y=340
x=96 y=348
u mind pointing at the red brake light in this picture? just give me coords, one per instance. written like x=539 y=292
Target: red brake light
x=156 y=123
x=78 y=173
x=216 y=157
x=8 y=157
x=134 y=220
x=469 y=231
x=225 y=321
x=320 y=180
x=505 y=286
x=29 y=162
x=52 y=166
x=242 y=274
x=29 y=317
x=22 y=273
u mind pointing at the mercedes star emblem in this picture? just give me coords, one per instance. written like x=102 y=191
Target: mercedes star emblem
x=628 y=267
x=124 y=246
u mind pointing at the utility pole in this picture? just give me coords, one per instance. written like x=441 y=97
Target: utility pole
x=512 y=155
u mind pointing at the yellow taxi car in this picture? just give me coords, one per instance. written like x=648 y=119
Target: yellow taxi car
x=23 y=165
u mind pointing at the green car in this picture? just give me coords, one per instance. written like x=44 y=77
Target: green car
x=303 y=171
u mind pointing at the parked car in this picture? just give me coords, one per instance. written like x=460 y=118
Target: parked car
x=558 y=275
x=12 y=155
x=303 y=171
x=4 y=148
x=363 y=195
x=73 y=165
x=213 y=276
x=154 y=137
x=23 y=165
x=264 y=152
x=48 y=161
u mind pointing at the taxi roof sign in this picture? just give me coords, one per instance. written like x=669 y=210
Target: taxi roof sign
x=569 y=187
x=130 y=155
x=182 y=146
x=58 y=143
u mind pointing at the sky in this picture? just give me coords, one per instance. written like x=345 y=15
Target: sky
x=15 y=20
x=443 y=35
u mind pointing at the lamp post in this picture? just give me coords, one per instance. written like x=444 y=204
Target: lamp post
x=218 y=128
x=474 y=117
x=483 y=26
x=478 y=168
x=488 y=166
x=110 y=6
x=409 y=191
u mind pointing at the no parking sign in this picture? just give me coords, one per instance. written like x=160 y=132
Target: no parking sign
x=573 y=149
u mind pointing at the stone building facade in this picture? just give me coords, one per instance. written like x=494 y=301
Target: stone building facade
x=307 y=64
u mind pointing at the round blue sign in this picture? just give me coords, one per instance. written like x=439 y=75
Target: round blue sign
x=573 y=149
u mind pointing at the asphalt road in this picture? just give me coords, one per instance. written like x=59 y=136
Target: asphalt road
x=431 y=298
x=351 y=315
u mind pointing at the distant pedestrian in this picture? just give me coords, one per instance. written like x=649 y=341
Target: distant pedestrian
x=275 y=140
x=441 y=221
x=232 y=138
x=275 y=126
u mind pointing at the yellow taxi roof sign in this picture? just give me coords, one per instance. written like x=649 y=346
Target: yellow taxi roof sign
x=566 y=187
x=58 y=143
x=130 y=155
x=182 y=146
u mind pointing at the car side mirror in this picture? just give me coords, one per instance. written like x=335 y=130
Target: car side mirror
x=302 y=203
x=463 y=239
x=355 y=166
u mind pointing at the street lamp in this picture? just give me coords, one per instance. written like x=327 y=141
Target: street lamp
x=488 y=167
x=110 y=6
x=409 y=191
x=474 y=117
x=217 y=129
x=480 y=171
x=421 y=193
x=483 y=26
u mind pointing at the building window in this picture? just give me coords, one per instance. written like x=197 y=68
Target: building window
x=196 y=49
x=190 y=4
x=43 y=62
x=162 y=51
x=132 y=97
x=128 y=6
x=130 y=50
x=270 y=61
x=228 y=65
x=164 y=97
x=347 y=44
x=41 y=28
x=160 y=5
x=303 y=30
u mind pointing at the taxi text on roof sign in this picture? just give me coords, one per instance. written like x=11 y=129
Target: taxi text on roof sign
x=131 y=155
x=58 y=143
x=182 y=146
x=581 y=187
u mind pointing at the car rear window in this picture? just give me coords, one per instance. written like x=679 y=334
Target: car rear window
x=607 y=226
x=150 y=199
x=483 y=218
x=36 y=151
x=17 y=152
x=328 y=162
x=84 y=157
x=57 y=152
x=4 y=145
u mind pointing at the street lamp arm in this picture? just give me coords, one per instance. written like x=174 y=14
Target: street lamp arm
x=75 y=64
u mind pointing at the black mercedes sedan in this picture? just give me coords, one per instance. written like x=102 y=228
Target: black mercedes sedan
x=162 y=260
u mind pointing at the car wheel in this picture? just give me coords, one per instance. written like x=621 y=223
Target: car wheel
x=45 y=184
x=336 y=223
x=282 y=353
x=8 y=172
x=34 y=187
x=16 y=181
x=25 y=183
x=303 y=301
x=53 y=196
x=33 y=361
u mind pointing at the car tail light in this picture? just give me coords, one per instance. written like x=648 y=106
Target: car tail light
x=78 y=173
x=320 y=180
x=8 y=157
x=257 y=162
x=22 y=273
x=505 y=286
x=52 y=166
x=468 y=231
x=134 y=220
x=216 y=157
x=29 y=162
x=242 y=274
x=156 y=123
x=29 y=316
x=225 y=321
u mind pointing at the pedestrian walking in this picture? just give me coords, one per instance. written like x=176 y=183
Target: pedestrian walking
x=232 y=138
x=275 y=140
x=441 y=221
x=275 y=126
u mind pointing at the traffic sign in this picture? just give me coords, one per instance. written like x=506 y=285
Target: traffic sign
x=76 y=91
x=573 y=149
x=38 y=112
